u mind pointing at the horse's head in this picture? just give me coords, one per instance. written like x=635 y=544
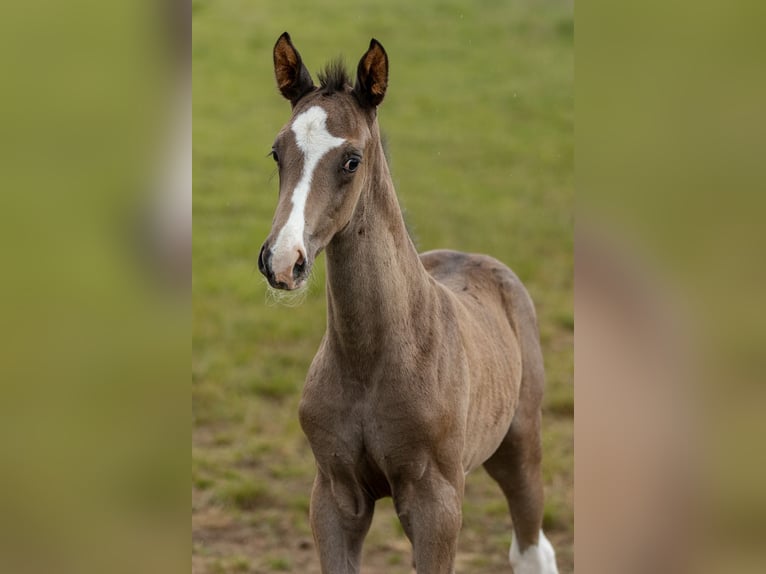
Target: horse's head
x=321 y=156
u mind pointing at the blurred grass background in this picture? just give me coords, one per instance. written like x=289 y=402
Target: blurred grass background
x=93 y=395
x=479 y=124
x=94 y=345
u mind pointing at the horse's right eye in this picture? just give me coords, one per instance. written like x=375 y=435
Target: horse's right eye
x=351 y=165
x=274 y=155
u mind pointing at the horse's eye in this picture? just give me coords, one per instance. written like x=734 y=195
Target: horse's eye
x=351 y=164
x=274 y=155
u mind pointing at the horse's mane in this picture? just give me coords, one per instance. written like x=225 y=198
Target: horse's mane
x=334 y=77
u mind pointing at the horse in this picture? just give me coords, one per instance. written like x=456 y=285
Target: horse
x=430 y=365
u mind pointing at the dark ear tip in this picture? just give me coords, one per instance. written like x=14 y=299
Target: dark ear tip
x=374 y=43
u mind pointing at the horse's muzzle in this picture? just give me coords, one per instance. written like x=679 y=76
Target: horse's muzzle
x=290 y=276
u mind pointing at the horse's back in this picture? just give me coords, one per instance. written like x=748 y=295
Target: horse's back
x=483 y=279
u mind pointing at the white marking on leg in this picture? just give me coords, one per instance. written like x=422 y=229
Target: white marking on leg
x=313 y=139
x=536 y=559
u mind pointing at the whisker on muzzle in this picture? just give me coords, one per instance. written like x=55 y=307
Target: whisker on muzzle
x=295 y=298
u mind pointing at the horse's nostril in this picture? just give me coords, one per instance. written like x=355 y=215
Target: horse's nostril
x=300 y=265
x=263 y=261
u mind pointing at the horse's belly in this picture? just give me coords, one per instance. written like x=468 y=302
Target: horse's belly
x=495 y=378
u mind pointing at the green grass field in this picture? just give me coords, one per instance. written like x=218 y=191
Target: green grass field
x=479 y=123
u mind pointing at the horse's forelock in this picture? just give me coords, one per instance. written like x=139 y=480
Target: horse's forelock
x=334 y=77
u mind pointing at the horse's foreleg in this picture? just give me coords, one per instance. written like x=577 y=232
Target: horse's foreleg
x=429 y=510
x=340 y=518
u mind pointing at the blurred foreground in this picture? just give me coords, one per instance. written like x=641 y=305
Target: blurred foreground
x=669 y=286
x=95 y=240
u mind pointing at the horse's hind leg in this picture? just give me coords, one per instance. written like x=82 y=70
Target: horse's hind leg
x=516 y=468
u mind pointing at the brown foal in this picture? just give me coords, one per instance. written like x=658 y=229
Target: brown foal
x=430 y=365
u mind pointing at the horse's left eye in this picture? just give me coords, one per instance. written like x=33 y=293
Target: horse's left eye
x=351 y=164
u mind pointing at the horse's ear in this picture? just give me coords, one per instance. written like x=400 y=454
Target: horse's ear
x=372 y=75
x=293 y=79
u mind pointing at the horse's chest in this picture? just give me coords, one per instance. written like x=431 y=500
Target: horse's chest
x=331 y=422
x=345 y=439
x=368 y=434
x=336 y=417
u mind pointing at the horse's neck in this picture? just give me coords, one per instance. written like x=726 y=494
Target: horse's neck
x=376 y=284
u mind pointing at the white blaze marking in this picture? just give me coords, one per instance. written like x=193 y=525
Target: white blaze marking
x=313 y=139
x=536 y=559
